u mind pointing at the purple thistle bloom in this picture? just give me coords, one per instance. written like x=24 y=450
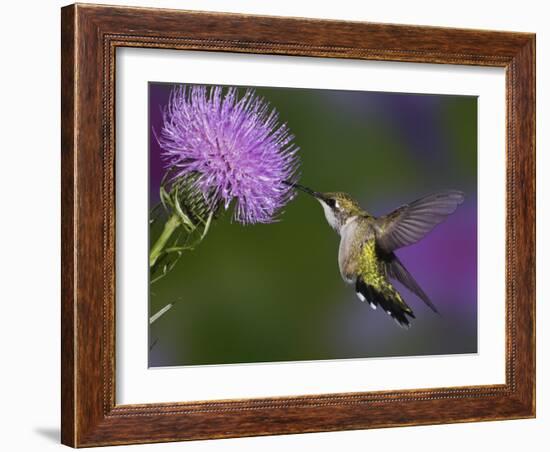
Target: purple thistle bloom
x=235 y=148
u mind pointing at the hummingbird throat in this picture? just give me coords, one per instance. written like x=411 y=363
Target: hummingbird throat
x=331 y=217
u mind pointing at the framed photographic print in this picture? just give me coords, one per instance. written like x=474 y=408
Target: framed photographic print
x=281 y=225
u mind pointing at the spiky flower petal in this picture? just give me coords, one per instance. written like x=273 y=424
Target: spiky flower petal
x=235 y=147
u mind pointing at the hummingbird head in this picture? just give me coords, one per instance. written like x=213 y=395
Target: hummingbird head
x=338 y=207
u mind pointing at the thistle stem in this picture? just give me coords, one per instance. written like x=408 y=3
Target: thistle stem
x=169 y=227
x=160 y=313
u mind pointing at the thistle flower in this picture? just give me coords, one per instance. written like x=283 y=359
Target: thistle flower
x=235 y=149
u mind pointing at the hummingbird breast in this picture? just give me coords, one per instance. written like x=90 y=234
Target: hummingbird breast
x=353 y=234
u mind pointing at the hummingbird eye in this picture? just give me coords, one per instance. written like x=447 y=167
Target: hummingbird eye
x=332 y=203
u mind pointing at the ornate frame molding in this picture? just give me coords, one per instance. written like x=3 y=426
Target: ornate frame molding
x=90 y=36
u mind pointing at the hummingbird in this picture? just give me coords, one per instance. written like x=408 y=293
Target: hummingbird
x=366 y=255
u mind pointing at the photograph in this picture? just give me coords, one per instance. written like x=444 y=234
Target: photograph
x=293 y=224
x=252 y=226
x=276 y=220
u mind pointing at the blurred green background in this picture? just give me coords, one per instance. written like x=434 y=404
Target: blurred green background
x=274 y=293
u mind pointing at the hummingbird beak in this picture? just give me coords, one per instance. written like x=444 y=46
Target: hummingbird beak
x=307 y=190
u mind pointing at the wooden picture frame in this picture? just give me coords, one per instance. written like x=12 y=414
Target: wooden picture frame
x=90 y=36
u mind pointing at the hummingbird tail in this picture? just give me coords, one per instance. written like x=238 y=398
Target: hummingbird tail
x=387 y=298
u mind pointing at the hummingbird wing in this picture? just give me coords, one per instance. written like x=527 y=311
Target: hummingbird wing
x=396 y=270
x=411 y=222
x=372 y=285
